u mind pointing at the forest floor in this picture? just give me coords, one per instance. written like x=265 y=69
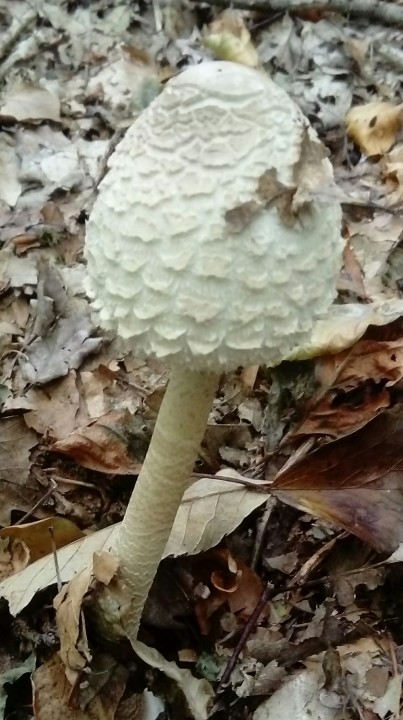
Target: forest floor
x=282 y=587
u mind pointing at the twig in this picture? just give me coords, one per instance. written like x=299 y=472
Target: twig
x=265 y=597
x=262 y=531
x=384 y=12
x=288 y=653
x=240 y=480
x=14 y=32
x=315 y=560
x=56 y=560
x=53 y=486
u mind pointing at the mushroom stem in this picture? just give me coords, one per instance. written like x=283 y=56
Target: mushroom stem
x=164 y=477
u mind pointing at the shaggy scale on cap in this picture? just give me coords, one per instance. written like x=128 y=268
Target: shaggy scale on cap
x=209 y=243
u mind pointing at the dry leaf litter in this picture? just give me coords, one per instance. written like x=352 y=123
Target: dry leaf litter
x=287 y=546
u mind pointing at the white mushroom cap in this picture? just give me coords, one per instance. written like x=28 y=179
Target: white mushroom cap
x=209 y=243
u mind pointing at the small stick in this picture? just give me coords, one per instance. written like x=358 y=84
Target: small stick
x=265 y=597
x=56 y=560
x=383 y=12
x=16 y=29
x=53 y=486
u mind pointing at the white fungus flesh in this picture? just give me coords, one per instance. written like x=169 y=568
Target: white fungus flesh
x=214 y=241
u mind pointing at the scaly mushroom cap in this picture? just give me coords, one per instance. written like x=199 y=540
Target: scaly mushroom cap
x=213 y=240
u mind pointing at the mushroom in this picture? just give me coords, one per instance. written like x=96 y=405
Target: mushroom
x=214 y=242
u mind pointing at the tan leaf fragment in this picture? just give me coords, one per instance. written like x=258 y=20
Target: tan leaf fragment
x=113 y=444
x=369 y=367
x=10 y=186
x=53 y=696
x=298 y=698
x=16 y=441
x=210 y=509
x=27 y=102
x=73 y=558
x=20 y=272
x=104 y=566
x=54 y=410
x=344 y=324
x=198 y=693
x=74 y=650
x=374 y=126
x=40 y=537
x=389 y=704
x=14 y=556
x=229 y=39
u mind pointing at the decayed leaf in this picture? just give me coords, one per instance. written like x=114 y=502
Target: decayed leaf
x=230 y=582
x=297 y=698
x=27 y=102
x=210 y=509
x=343 y=325
x=75 y=653
x=14 y=556
x=15 y=444
x=10 y=186
x=229 y=39
x=113 y=444
x=336 y=416
x=52 y=693
x=374 y=126
x=146 y=706
x=355 y=482
x=351 y=277
x=74 y=650
x=54 y=410
x=392 y=166
x=73 y=558
x=380 y=361
x=11 y=675
x=129 y=82
x=361 y=373
x=62 y=350
x=389 y=704
x=40 y=537
x=198 y=693
x=18 y=272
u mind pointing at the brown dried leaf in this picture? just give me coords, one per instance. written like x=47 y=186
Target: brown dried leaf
x=14 y=556
x=374 y=126
x=15 y=445
x=74 y=650
x=367 y=359
x=355 y=482
x=229 y=39
x=52 y=694
x=114 y=444
x=351 y=277
x=355 y=383
x=339 y=417
x=40 y=537
x=230 y=581
x=68 y=343
x=54 y=410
